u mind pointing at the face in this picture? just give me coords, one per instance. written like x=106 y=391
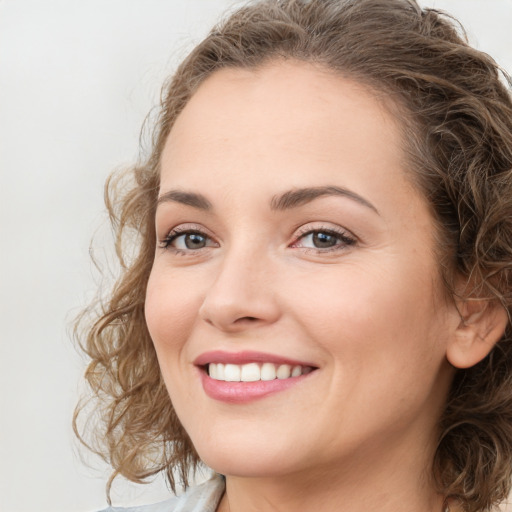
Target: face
x=295 y=263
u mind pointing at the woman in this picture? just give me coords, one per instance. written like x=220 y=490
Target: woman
x=319 y=303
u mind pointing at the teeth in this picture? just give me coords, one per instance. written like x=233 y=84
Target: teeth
x=253 y=372
x=232 y=373
x=212 y=371
x=250 y=373
x=268 y=371
x=284 y=371
x=297 y=371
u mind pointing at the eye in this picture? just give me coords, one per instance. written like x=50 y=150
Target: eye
x=321 y=240
x=324 y=240
x=187 y=240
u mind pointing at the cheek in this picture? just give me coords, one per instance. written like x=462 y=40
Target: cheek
x=171 y=310
x=384 y=340
x=363 y=313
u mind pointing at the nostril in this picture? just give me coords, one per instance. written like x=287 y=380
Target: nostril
x=247 y=319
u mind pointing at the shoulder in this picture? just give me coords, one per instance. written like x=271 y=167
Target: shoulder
x=201 y=498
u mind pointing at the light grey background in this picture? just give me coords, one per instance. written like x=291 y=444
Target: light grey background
x=77 y=78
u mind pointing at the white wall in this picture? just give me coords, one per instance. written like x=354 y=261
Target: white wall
x=77 y=78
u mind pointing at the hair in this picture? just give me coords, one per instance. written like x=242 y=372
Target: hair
x=456 y=114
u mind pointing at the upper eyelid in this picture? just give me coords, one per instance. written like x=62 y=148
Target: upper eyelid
x=187 y=227
x=309 y=229
x=339 y=230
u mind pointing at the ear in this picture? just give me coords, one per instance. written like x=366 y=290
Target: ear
x=482 y=324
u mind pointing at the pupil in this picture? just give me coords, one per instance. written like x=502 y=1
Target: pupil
x=323 y=240
x=195 y=241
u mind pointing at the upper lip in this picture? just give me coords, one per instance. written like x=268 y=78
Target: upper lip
x=245 y=357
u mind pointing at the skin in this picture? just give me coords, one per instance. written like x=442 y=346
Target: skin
x=370 y=314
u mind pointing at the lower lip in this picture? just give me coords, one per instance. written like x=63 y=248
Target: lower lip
x=244 y=392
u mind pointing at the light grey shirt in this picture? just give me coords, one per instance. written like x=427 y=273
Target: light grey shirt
x=200 y=498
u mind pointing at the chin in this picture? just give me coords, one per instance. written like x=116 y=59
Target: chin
x=246 y=456
x=245 y=465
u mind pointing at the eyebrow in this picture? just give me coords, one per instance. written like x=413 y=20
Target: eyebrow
x=301 y=196
x=188 y=198
x=288 y=200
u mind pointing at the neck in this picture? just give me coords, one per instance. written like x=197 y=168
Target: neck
x=395 y=482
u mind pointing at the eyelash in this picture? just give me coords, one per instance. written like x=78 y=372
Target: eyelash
x=345 y=239
x=175 y=233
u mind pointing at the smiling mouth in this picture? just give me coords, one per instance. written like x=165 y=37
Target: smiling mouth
x=253 y=372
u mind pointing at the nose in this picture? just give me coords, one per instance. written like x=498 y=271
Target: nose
x=242 y=294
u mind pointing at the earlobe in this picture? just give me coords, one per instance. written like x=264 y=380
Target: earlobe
x=481 y=326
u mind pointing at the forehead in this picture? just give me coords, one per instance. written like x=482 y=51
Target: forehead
x=286 y=97
x=288 y=122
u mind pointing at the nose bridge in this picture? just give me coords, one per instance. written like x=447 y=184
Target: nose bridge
x=244 y=263
x=242 y=289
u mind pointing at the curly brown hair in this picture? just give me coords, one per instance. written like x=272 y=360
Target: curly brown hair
x=456 y=114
